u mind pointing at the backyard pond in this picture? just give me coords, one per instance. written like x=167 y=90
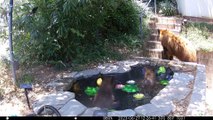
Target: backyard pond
x=119 y=91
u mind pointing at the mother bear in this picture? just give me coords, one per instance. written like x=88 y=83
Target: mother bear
x=174 y=45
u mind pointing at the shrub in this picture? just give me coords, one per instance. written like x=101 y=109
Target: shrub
x=200 y=34
x=72 y=30
x=168 y=7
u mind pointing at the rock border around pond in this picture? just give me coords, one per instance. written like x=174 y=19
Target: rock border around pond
x=162 y=103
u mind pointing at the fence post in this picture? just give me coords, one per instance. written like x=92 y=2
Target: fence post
x=155 y=5
x=10 y=41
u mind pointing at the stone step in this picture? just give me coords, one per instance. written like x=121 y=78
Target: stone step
x=173 y=20
x=154 y=33
x=153 y=19
x=154 y=25
x=154 y=45
x=154 y=50
x=154 y=37
x=153 y=53
x=168 y=26
x=170 y=20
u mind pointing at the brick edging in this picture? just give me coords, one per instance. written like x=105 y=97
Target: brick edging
x=198 y=19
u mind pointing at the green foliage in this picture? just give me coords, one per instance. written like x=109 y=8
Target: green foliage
x=73 y=31
x=24 y=77
x=200 y=34
x=168 y=7
x=27 y=78
x=3 y=16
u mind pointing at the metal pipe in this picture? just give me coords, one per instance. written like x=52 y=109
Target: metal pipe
x=141 y=27
x=26 y=94
x=146 y=5
x=155 y=4
x=10 y=15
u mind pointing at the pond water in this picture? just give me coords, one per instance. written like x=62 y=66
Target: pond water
x=119 y=91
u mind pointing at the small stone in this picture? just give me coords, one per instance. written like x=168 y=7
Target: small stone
x=90 y=111
x=147 y=62
x=183 y=77
x=127 y=63
x=87 y=73
x=163 y=101
x=181 y=80
x=72 y=108
x=102 y=112
x=115 y=69
x=56 y=100
x=173 y=93
x=69 y=75
x=61 y=84
x=152 y=110
x=127 y=112
x=59 y=76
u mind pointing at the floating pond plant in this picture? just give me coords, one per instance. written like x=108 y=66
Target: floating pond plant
x=161 y=70
x=91 y=91
x=130 y=88
x=164 y=82
x=130 y=82
x=138 y=96
x=119 y=86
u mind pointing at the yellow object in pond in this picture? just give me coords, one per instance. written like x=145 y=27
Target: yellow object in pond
x=138 y=96
x=99 y=81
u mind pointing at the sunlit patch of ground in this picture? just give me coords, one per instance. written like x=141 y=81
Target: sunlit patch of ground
x=209 y=91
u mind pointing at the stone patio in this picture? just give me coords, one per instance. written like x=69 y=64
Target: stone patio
x=161 y=105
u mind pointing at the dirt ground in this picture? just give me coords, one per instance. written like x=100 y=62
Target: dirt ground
x=13 y=101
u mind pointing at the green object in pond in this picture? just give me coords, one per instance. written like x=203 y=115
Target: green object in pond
x=164 y=82
x=91 y=91
x=161 y=70
x=138 y=96
x=130 y=88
